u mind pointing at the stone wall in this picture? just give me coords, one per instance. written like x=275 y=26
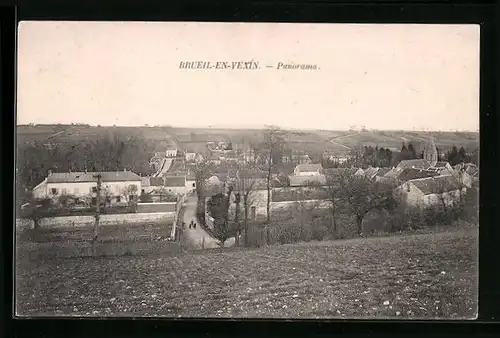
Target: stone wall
x=82 y=221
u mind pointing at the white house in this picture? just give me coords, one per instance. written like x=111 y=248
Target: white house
x=431 y=191
x=171 y=152
x=116 y=186
x=190 y=156
x=307 y=170
x=176 y=185
x=190 y=183
x=151 y=184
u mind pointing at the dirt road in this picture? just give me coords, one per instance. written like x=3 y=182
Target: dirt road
x=198 y=238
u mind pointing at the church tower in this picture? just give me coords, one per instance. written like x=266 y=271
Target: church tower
x=430 y=152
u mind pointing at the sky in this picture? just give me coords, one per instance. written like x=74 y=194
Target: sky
x=403 y=77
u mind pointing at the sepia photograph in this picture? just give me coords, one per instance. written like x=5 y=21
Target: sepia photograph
x=247 y=170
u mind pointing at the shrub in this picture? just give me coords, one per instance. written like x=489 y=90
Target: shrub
x=292 y=233
x=319 y=229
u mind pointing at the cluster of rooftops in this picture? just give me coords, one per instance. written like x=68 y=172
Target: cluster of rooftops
x=419 y=171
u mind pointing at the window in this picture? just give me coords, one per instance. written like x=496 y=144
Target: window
x=131 y=197
x=54 y=191
x=76 y=191
x=118 y=199
x=94 y=189
x=64 y=191
x=94 y=200
x=194 y=185
x=407 y=187
x=143 y=191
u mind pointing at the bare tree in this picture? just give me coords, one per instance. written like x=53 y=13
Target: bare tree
x=201 y=173
x=246 y=187
x=274 y=145
x=331 y=191
x=95 y=233
x=362 y=195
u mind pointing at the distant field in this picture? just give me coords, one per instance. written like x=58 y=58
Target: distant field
x=417 y=276
x=306 y=140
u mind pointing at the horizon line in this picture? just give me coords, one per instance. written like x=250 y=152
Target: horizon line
x=236 y=127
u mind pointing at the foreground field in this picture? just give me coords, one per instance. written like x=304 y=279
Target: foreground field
x=419 y=276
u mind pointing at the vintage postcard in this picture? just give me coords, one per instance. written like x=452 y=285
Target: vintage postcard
x=247 y=170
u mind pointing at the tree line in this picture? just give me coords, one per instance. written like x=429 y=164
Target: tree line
x=114 y=152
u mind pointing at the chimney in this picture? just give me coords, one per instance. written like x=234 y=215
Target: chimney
x=85 y=169
x=50 y=172
x=124 y=170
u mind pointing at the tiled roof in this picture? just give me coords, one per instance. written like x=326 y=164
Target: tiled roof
x=309 y=167
x=473 y=171
x=418 y=163
x=297 y=181
x=382 y=172
x=156 y=181
x=436 y=185
x=371 y=172
x=175 y=181
x=106 y=176
x=252 y=174
x=338 y=171
x=441 y=164
x=412 y=174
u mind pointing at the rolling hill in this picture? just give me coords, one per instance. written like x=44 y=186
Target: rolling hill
x=308 y=140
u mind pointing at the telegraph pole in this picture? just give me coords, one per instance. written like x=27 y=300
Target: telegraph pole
x=95 y=234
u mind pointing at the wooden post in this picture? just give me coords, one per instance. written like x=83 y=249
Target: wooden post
x=95 y=234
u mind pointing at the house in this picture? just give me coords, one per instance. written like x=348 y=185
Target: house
x=214 y=159
x=418 y=164
x=255 y=178
x=190 y=182
x=308 y=169
x=443 y=168
x=333 y=156
x=175 y=185
x=470 y=169
x=170 y=153
x=371 y=172
x=247 y=155
x=301 y=181
x=340 y=171
x=431 y=191
x=199 y=158
x=381 y=174
x=150 y=184
x=116 y=186
x=413 y=174
x=229 y=156
x=190 y=156
x=305 y=159
x=145 y=185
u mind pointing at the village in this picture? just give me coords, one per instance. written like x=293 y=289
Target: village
x=262 y=185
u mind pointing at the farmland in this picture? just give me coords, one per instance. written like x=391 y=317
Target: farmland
x=307 y=140
x=417 y=276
